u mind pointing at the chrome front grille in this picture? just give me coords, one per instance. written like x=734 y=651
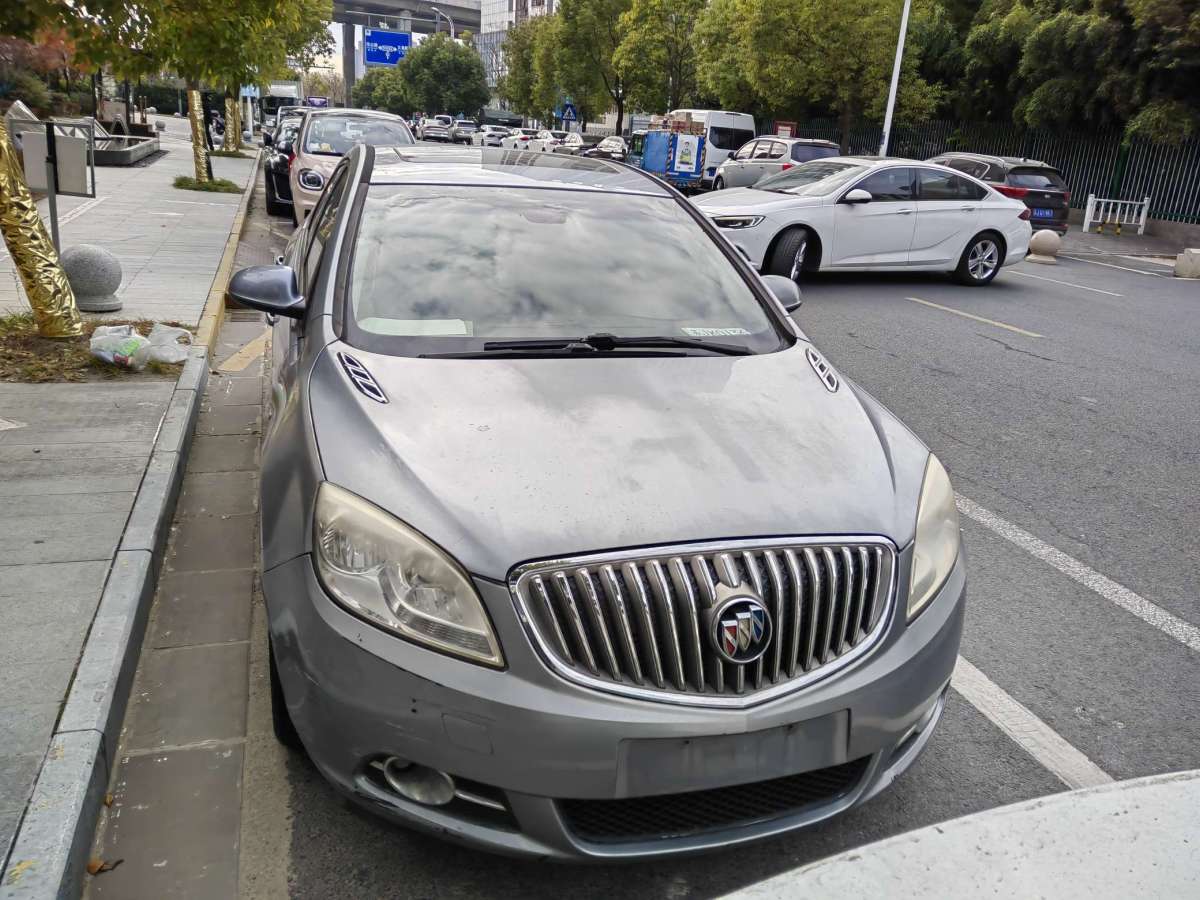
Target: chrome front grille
x=639 y=622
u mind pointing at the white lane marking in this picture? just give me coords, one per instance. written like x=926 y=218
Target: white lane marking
x=1110 y=265
x=1117 y=594
x=1065 y=283
x=967 y=315
x=1029 y=732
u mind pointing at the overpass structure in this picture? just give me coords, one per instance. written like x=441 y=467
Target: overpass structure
x=417 y=16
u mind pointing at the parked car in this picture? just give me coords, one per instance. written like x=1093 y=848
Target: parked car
x=855 y=213
x=612 y=147
x=769 y=156
x=724 y=132
x=462 y=130
x=276 y=118
x=574 y=143
x=519 y=138
x=490 y=135
x=491 y=613
x=547 y=140
x=328 y=134
x=1038 y=185
x=277 y=167
x=435 y=128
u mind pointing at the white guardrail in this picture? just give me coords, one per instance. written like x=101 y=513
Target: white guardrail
x=1101 y=211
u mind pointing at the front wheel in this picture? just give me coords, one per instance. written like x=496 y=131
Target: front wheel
x=980 y=261
x=790 y=254
x=719 y=184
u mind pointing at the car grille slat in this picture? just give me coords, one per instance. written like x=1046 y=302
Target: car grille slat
x=640 y=622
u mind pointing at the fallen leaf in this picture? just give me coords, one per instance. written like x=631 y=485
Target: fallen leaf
x=108 y=799
x=97 y=866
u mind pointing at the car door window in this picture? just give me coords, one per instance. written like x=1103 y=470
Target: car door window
x=935 y=185
x=889 y=185
x=776 y=149
x=763 y=150
x=321 y=228
x=746 y=151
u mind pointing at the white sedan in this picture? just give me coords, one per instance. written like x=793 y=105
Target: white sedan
x=848 y=213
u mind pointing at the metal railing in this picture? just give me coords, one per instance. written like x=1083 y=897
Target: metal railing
x=1101 y=211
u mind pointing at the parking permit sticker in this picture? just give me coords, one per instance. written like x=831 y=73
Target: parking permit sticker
x=713 y=332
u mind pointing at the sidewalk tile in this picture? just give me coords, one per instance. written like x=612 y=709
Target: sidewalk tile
x=230 y=420
x=202 y=608
x=209 y=543
x=188 y=694
x=174 y=821
x=223 y=453
x=226 y=390
x=218 y=494
x=26 y=728
x=60 y=538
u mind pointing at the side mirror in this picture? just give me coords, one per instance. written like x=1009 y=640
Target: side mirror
x=858 y=195
x=267 y=139
x=284 y=147
x=271 y=289
x=785 y=290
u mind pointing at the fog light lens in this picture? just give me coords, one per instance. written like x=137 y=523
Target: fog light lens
x=419 y=784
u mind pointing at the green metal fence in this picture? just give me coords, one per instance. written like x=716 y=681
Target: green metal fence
x=1101 y=163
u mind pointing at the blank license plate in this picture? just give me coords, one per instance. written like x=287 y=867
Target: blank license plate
x=1043 y=214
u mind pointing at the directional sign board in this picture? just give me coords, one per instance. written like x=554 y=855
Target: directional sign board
x=568 y=113
x=385 y=48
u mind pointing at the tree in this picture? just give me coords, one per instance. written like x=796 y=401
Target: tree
x=442 y=74
x=326 y=83
x=657 y=56
x=592 y=30
x=718 y=39
x=517 y=86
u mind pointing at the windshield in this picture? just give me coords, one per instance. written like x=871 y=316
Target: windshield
x=1036 y=178
x=559 y=134
x=465 y=125
x=444 y=269
x=811 y=178
x=729 y=138
x=337 y=135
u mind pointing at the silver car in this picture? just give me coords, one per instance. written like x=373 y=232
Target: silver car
x=765 y=156
x=462 y=131
x=436 y=128
x=590 y=574
x=490 y=135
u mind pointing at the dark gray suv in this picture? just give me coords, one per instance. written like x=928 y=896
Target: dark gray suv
x=620 y=570
x=1037 y=184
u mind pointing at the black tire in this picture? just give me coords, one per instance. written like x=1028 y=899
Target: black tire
x=980 y=260
x=281 y=722
x=719 y=184
x=274 y=206
x=789 y=258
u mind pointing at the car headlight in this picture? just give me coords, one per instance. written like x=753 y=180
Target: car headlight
x=935 y=547
x=383 y=570
x=736 y=221
x=311 y=180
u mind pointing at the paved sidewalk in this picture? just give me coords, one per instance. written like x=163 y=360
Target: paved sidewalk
x=169 y=241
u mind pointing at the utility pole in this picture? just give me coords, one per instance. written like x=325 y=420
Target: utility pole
x=437 y=12
x=891 y=104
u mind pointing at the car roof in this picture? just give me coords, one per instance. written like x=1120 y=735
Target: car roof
x=1010 y=161
x=354 y=113
x=494 y=167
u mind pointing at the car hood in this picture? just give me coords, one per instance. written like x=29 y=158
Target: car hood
x=740 y=200
x=505 y=461
x=318 y=162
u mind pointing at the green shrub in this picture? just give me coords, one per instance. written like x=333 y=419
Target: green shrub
x=29 y=89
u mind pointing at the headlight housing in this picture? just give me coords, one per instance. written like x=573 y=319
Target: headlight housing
x=311 y=180
x=736 y=221
x=382 y=570
x=936 y=545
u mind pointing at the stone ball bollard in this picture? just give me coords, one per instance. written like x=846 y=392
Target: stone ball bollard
x=1044 y=247
x=1187 y=263
x=95 y=275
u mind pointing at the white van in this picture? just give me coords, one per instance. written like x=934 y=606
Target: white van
x=724 y=133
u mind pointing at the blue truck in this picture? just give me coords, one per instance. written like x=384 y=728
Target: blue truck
x=674 y=156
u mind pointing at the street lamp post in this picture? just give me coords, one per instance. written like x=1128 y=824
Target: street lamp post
x=891 y=103
x=438 y=12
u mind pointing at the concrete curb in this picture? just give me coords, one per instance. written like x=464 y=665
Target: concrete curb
x=50 y=850
x=214 y=306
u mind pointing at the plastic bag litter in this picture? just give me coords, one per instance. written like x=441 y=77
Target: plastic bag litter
x=122 y=345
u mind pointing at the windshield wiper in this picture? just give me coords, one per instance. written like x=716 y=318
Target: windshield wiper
x=606 y=342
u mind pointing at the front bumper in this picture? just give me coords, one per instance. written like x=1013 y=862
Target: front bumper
x=357 y=694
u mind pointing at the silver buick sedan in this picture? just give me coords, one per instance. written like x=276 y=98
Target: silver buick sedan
x=574 y=546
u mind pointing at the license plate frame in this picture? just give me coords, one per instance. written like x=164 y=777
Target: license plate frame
x=1042 y=213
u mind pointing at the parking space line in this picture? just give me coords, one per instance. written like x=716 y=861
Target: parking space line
x=967 y=315
x=1117 y=594
x=1111 y=266
x=1031 y=734
x=248 y=354
x=1081 y=287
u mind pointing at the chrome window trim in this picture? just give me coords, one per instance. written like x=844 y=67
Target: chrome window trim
x=526 y=571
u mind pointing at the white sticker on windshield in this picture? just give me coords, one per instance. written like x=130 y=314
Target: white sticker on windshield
x=713 y=332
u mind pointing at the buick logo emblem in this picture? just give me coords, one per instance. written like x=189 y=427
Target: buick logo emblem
x=741 y=630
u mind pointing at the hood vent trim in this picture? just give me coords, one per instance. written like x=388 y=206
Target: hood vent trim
x=823 y=369
x=361 y=378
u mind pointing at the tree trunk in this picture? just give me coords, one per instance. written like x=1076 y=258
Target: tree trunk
x=46 y=286
x=620 y=113
x=199 y=127
x=845 y=118
x=233 y=125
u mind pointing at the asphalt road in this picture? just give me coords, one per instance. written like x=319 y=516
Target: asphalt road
x=1084 y=436
x=1063 y=401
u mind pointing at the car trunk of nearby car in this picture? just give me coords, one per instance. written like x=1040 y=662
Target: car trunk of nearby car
x=1042 y=190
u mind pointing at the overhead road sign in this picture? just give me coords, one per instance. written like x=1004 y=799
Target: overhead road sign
x=382 y=47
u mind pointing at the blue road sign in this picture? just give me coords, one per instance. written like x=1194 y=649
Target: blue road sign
x=568 y=113
x=384 y=48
